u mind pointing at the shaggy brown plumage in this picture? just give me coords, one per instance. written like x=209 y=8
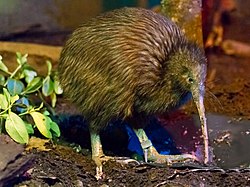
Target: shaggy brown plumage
x=129 y=61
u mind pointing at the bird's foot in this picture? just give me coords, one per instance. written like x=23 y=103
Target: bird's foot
x=99 y=160
x=153 y=156
x=99 y=173
x=172 y=159
x=126 y=160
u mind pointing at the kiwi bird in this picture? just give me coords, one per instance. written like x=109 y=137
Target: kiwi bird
x=131 y=63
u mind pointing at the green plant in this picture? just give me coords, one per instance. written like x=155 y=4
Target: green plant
x=19 y=92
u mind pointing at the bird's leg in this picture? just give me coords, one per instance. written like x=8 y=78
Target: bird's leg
x=151 y=154
x=99 y=157
x=97 y=152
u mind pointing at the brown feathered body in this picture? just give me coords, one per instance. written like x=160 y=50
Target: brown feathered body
x=129 y=62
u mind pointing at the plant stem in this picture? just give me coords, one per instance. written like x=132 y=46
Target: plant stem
x=14 y=73
x=45 y=103
x=5 y=110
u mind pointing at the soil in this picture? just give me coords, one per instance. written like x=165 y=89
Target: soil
x=64 y=167
x=228 y=94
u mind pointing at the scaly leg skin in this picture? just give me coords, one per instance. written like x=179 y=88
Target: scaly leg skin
x=98 y=156
x=97 y=153
x=151 y=154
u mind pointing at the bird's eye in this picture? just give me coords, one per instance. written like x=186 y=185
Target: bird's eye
x=190 y=80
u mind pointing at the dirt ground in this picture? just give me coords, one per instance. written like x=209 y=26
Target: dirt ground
x=228 y=94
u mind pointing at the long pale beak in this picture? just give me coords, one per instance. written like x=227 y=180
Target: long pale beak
x=198 y=97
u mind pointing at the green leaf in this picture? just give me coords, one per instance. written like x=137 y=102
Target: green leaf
x=21 y=60
x=16 y=128
x=3 y=102
x=15 y=87
x=3 y=67
x=57 y=87
x=29 y=75
x=7 y=95
x=29 y=128
x=53 y=99
x=33 y=86
x=2 y=80
x=55 y=128
x=13 y=99
x=46 y=113
x=42 y=123
x=47 y=88
x=41 y=106
x=18 y=55
x=49 y=66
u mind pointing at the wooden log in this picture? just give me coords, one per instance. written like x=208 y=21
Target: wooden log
x=187 y=14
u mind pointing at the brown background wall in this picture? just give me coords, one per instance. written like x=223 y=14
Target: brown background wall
x=19 y=16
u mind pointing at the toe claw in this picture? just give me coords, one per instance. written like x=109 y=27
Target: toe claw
x=180 y=158
x=127 y=161
x=99 y=173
